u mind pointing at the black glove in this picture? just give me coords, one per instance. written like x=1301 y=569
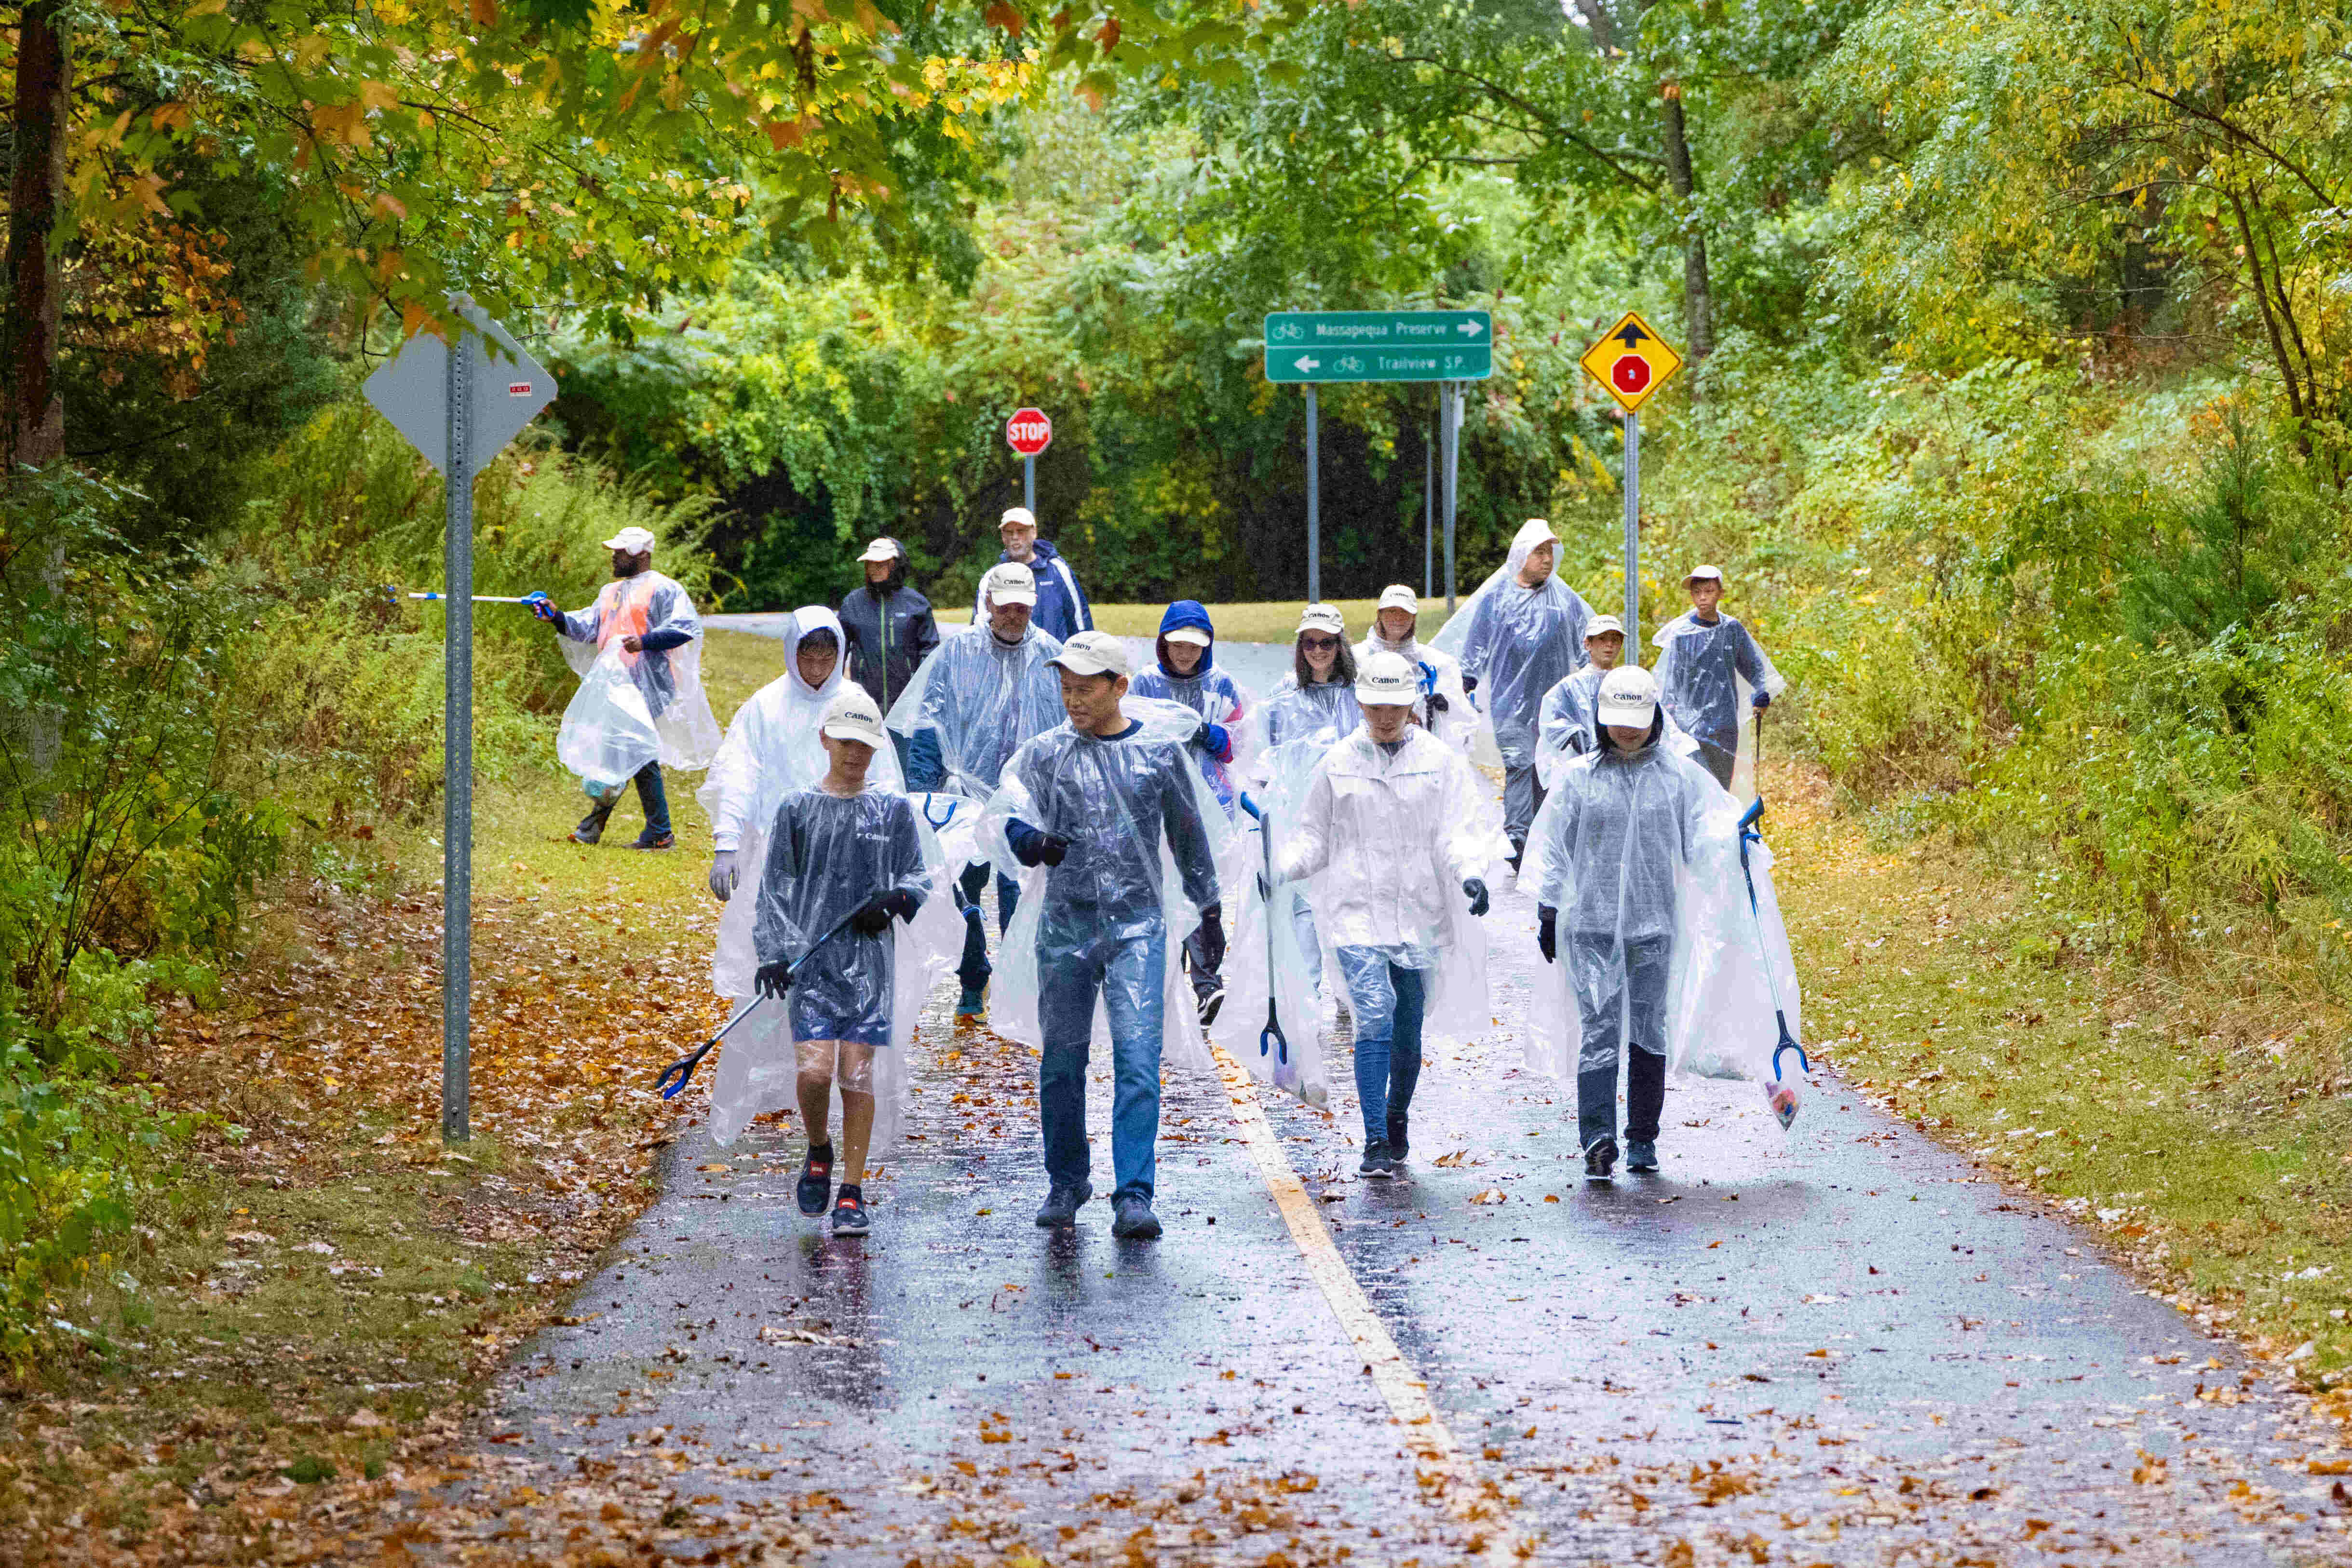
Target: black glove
x=1469 y=683
x=776 y=979
x=875 y=918
x=1548 y=932
x=1762 y=699
x=1213 y=937
x=1438 y=703
x=1475 y=891
x=1052 y=848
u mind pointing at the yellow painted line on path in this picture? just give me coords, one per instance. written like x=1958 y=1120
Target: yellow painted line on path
x=1481 y=1507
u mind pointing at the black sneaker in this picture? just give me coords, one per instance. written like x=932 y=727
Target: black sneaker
x=1399 y=1144
x=1060 y=1209
x=1600 y=1159
x=1640 y=1155
x=849 y=1217
x=1210 y=1004
x=816 y=1179
x=649 y=839
x=1379 y=1165
x=1134 y=1221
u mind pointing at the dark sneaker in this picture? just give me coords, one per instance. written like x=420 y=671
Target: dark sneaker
x=591 y=829
x=1399 y=1144
x=1379 y=1165
x=1060 y=1209
x=969 y=1006
x=1134 y=1221
x=1600 y=1159
x=849 y=1217
x=1210 y=1005
x=1640 y=1155
x=649 y=839
x=816 y=1181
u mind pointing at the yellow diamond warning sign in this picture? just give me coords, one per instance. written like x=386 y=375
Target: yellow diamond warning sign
x=1630 y=360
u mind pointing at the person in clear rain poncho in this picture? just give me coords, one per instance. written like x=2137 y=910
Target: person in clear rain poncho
x=1401 y=834
x=637 y=651
x=1187 y=672
x=1441 y=706
x=974 y=703
x=843 y=862
x=1714 y=679
x=1087 y=808
x=1642 y=909
x=1521 y=632
x=1308 y=713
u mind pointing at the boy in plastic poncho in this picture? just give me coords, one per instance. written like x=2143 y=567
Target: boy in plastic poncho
x=658 y=713
x=1707 y=660
x=1091 y=801
x=1391 y=822
x=1619 y=833
x=1441 y=706
x=842 y=861
x=1517 y=637
x=1569 y=727
x=1187 y=672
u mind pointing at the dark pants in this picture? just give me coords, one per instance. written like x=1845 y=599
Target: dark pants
x=1717 y=760
x=1205 y=981
x=1620 y=991
x=975 y=969
x=1130 y=976
x=650 y=795
x=1523 y=797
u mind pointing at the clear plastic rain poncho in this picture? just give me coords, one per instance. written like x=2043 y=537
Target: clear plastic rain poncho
x=1295 y=712
x=1292 y=731
x=828 y=855
x=1707 y=676
x=1518 y=642
x=984 y=699
x=634 y=708
x=771 y=750
x=1572 y=726
x=1146 y=837
x=1388 y=841
x=1440 y=675
x=1640 y=854
x=1211 y=693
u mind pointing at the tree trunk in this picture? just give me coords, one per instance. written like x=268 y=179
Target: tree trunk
x=1698 y=296
x=33 y=430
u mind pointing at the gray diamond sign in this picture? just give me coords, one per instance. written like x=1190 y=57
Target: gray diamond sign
x=508 y=389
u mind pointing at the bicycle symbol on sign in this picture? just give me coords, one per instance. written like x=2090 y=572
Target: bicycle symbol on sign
x=1289 y=332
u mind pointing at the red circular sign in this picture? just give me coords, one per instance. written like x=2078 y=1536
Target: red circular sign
x=1029 y=432
x=1631 y=374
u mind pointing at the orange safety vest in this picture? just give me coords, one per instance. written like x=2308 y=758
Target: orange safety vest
x=627 y=615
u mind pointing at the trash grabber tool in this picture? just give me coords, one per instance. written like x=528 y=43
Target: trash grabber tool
x=1783 y=1099
x=683 y=1066
x=391 y=592
x=1270 y=1039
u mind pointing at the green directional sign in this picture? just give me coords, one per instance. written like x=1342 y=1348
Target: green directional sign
x=1378 y=345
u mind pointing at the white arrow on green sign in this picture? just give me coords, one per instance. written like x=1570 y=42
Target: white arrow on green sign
x=1378 y=345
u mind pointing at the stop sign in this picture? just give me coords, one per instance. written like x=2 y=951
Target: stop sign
x=1631 y=374
x=1029 y=432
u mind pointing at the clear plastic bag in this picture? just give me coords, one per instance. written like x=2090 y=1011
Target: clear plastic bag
x=634 y=708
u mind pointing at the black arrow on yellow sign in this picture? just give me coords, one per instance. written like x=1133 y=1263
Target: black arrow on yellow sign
x=1632 y=335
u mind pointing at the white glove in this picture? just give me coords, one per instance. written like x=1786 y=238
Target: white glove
x=722 y=875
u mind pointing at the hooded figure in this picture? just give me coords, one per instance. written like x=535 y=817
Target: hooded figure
x=1516 y=640
x=1715 y=678
x=638 y=653
x=888 y=627
x=988 y=689
x=1644 y=915
x=1442 y=707
x=1120 y=838
x=1187 y=672
x=772 y=750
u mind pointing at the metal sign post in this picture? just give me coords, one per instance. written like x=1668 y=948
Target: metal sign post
x=1029 y=484
x=1314 y=509
x=1453 y=460
x=1634 y=532
x=1429 y=515
x=1633 y=362
x=460 y=408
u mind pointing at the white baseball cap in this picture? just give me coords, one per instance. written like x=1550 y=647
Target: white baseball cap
x=1704 y=575
x=1020 y=514
x=1093 y=653
x=1628 y=696
x=1601 y=623
x=1397 y=596
x=1193 y=635
x=1387 y=678
x=1323 y=618
x=883 y=549
x=852 y=716
x=1009 y=583
x=636 y=540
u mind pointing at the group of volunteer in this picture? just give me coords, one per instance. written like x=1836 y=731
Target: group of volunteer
x=862 y=803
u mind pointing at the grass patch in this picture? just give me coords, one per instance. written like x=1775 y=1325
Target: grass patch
x=2197 y=1123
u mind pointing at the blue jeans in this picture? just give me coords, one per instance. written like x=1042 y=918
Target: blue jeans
x=1131 y=976
x=650 y=795
x=975 y=969
x=1388 y=1000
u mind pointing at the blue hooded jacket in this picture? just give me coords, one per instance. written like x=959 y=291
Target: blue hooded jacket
x=1208 y=691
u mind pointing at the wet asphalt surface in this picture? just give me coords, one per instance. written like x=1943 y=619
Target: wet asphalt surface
x=1839 y=1345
